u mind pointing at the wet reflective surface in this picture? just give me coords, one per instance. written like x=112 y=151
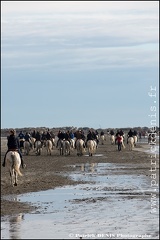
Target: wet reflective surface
x=115 y=203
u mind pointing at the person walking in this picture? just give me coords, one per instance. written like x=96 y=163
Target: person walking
x=119 y=142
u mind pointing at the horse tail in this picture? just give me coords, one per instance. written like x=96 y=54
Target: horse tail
x=17 y=170
x=15 y=165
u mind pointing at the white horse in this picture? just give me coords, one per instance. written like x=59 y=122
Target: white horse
x=49 y=147
x=80 y=147
x=32 y=142
x=123 y=142
x=53 y=143
x=27 y=147
x=72 y=141
x=135 y=140
x=66 y=147
x=61 y=146
x=91 y=145
x=13 y=163
x=38 y=146
x=102 y=138
x=112 y=139
x=131 y=143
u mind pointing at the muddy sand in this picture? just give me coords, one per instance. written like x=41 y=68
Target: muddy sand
x=48 y=172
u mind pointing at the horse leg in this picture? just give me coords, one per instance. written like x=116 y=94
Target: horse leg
x=10 y=173
x=61 y=151
x=15 y=177
x=123 y=145
x=12 y=177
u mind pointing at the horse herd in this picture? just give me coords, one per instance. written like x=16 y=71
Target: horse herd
x=64 y=147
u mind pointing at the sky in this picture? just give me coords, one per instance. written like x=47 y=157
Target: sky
x=79 y=64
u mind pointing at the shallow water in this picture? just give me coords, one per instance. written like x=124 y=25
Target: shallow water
x=116 y=203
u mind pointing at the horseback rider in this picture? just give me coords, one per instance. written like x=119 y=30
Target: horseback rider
x=43 y=138
x=13 y=145
x=91 y=136
x=33 y=134
x=53 y=137
x=130 y=134
x=60 y=136
x=97 y=137
x=79 y=135
x=21 y=139
x=102 y=133
x=38 y=137
x=71 y=135
x=27 y=138
x=111 y=132
x=67 y=137
x=135 y=133
x=49 y=137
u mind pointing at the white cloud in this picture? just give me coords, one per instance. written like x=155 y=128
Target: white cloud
x=79 y=34
x=14 y=7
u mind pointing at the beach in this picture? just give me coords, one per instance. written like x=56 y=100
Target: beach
x=48 y=172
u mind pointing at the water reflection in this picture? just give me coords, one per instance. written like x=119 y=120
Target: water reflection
x=89 y=167
x=15 y=226
x=116 y=199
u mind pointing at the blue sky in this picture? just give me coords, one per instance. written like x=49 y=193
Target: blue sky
x=79 y=63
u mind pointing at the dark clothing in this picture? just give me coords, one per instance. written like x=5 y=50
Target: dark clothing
x=130 y=133
x=27 y=137
x=21 y=136
x=119 y=146
x=111 y=132
x=102 y=133
x=90 y=136
x=118 y=133
x=61 y=135
x=38 y=136
x=44 y=137
x=135 y=133
x=13 y=142
x=48 y=136
x=94 y=136
x=121 y=133
x=34 y=134
x=67 y=136
x=79 y=135
x=71 y=135
x=96 y=132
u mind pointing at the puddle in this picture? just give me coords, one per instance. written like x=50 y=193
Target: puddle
x=115 y=203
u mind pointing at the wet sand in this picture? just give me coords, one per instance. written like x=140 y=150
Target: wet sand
x=48 y=172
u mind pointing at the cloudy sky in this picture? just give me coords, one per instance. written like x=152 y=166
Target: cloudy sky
x=79 y=63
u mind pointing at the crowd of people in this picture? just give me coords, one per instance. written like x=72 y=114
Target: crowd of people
x=16 y=142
